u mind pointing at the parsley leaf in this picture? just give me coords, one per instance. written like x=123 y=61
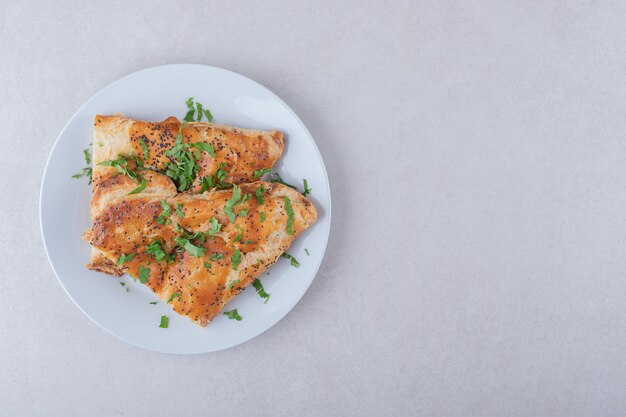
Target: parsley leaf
x=87 y=171
x=179 y=211
x=216 y=256
x=228 y=208
x=289 y=211
x=260 y=290
x=239 y=234
x=153 y=302
x=200 y=110
x=262 y=216
x=233 y=315
x=191 y=110
x=155 y=249
x=207 y=265
x=260 y=172
x=206 y=147
x=125 y=258
x=259 y=195
x=165 y=322
x=121 y=165
x=182 y=168
x=165 y=213
x=232 y=284
x=144 y=274
x=307 y=190
x=214 y=226
x=140 y=188
x=307 y=252
x=236 y=259
x=144 y=147
x=275 y=177
x=194 y=250
x=294 y=261
x=174 y=295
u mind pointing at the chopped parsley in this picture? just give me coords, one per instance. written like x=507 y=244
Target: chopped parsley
x=289 y=211
x=259 y=194
x=87 y=171
x=233 y=315
x=243 y=212
x=144 y=274
x=206 y=147
x=174 y=295
x=182 y=168
x=260 y=172
x=165 y=213
x=307 y=252
x=125 y=258
x=262 y=216
x=165 y=322
x=194 y=250
x=307 y=190
x=232 y=284
x=179 y=211
x=214 y=226
x=156 y=249
x=207 y=265
x=247 y=242
x=216 y=256
x=121 y=165
x=260 y=290
x=239 y=234
x=199 y=109
x=144 y=147
x=234 y=199
x=153 y=302
x=294 y=261
x=140 y=188
x=236 y=259
x=123 y=284
x=275 y=177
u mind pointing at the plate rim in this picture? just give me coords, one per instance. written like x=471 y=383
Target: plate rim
x=328 y=210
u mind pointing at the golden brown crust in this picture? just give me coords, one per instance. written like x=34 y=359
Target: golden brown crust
x=129 y=225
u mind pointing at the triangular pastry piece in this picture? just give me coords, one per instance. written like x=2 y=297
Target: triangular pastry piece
x=196 y=251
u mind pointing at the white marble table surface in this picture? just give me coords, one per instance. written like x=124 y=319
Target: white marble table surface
x=477 y=261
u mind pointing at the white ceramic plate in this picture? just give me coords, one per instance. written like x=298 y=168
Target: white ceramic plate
x=154 y=94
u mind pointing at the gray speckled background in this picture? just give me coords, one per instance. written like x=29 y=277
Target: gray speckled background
x=477 y=261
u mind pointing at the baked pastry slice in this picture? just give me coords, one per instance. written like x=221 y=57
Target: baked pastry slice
x=221 y=155
x=196 y=251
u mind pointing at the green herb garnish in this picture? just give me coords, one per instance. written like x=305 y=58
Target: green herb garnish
x=144 y=274
x=307 y=252
x=307 y=190
x=144 y=147
x=289 y=211
x=174 y=295
x=207 y=265
x=236 y=259
x=232 y=284
x=275 y=177
x=233 y=315
x=294 y=261
x=165 y=321
x=214 y=226
x=260 y=172
x=179 y=211
x=182 y=168
x=260 y=290
x=194 y=250
x=140 y=188
x=125 y=258
x=153 y=302
x=216 y=256
x=165 y=213
x=155 y=249
x=259 y=194
x=191 y=111
x=262 y=216
x=228 y=208
x=239 y=234
x=121 y=165
x=87 y=171
x=206 y=147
